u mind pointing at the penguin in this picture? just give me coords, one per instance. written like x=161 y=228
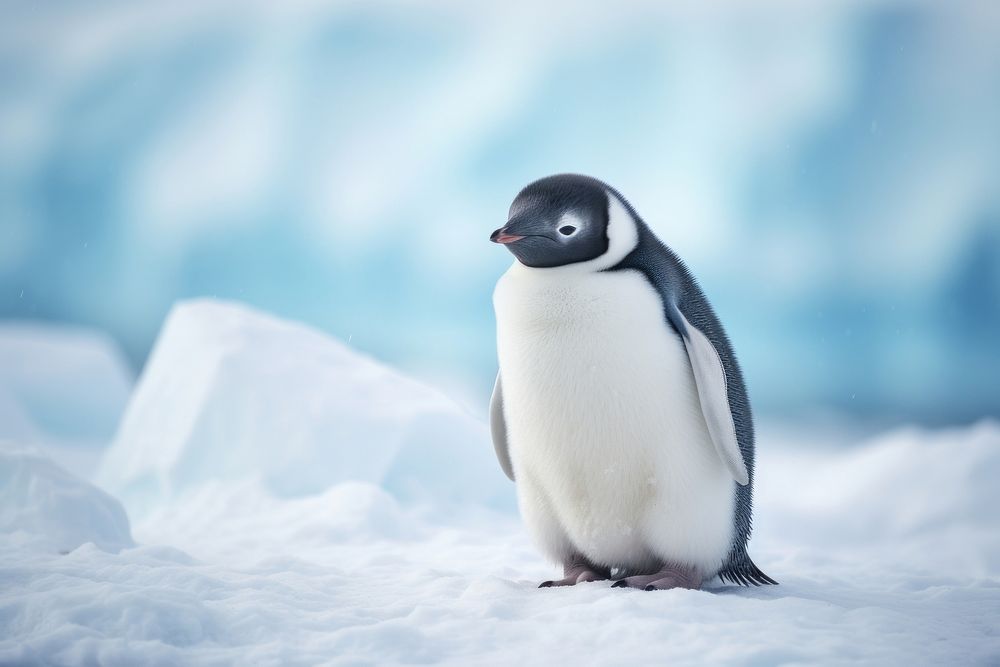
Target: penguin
x=619 y=409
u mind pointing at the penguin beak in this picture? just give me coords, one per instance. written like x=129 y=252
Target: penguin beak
x=502 y=236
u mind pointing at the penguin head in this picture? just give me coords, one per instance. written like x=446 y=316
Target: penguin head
x=558 y=220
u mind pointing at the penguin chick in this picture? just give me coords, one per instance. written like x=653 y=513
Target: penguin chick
x=619 y=409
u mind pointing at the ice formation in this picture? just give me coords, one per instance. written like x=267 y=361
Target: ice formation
x=230 y=393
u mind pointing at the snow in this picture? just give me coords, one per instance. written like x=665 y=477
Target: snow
x=887 y=547
x=46 y=508
x=928 y=493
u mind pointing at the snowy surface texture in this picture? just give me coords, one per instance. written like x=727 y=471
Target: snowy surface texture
x=887 y=548
x=47 y=508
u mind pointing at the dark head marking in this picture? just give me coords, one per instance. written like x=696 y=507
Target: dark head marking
x=557 y=220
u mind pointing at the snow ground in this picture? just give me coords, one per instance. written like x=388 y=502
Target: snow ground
x=887 y=550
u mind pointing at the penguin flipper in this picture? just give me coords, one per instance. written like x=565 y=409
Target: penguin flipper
x=710 y=378
x=498 y=430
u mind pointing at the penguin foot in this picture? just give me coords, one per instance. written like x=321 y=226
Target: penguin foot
x=670 y=576
x=576 y=572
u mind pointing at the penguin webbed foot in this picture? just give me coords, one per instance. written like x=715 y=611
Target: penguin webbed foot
x=578 y=571
x=669 y=576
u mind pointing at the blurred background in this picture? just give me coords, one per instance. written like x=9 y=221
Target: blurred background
x=830 y=171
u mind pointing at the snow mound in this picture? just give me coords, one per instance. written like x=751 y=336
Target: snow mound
x=233 y=394
x=60 y=383
x=248 y=518
x=44 y=507
x=931 y=493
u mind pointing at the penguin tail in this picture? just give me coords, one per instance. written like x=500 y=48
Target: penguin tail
x=745 y=573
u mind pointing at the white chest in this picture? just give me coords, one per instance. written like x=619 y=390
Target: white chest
x=604 y=423
x=584 y=356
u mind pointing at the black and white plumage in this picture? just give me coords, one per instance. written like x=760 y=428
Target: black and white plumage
x=619 y=410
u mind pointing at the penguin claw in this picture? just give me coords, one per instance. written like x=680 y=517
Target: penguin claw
x=670 y=576
x=667 y=583
x=577 y=573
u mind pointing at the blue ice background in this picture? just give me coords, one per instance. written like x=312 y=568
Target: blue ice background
x=831 y=172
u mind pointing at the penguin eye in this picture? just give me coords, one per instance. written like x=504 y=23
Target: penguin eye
x=567 y=230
